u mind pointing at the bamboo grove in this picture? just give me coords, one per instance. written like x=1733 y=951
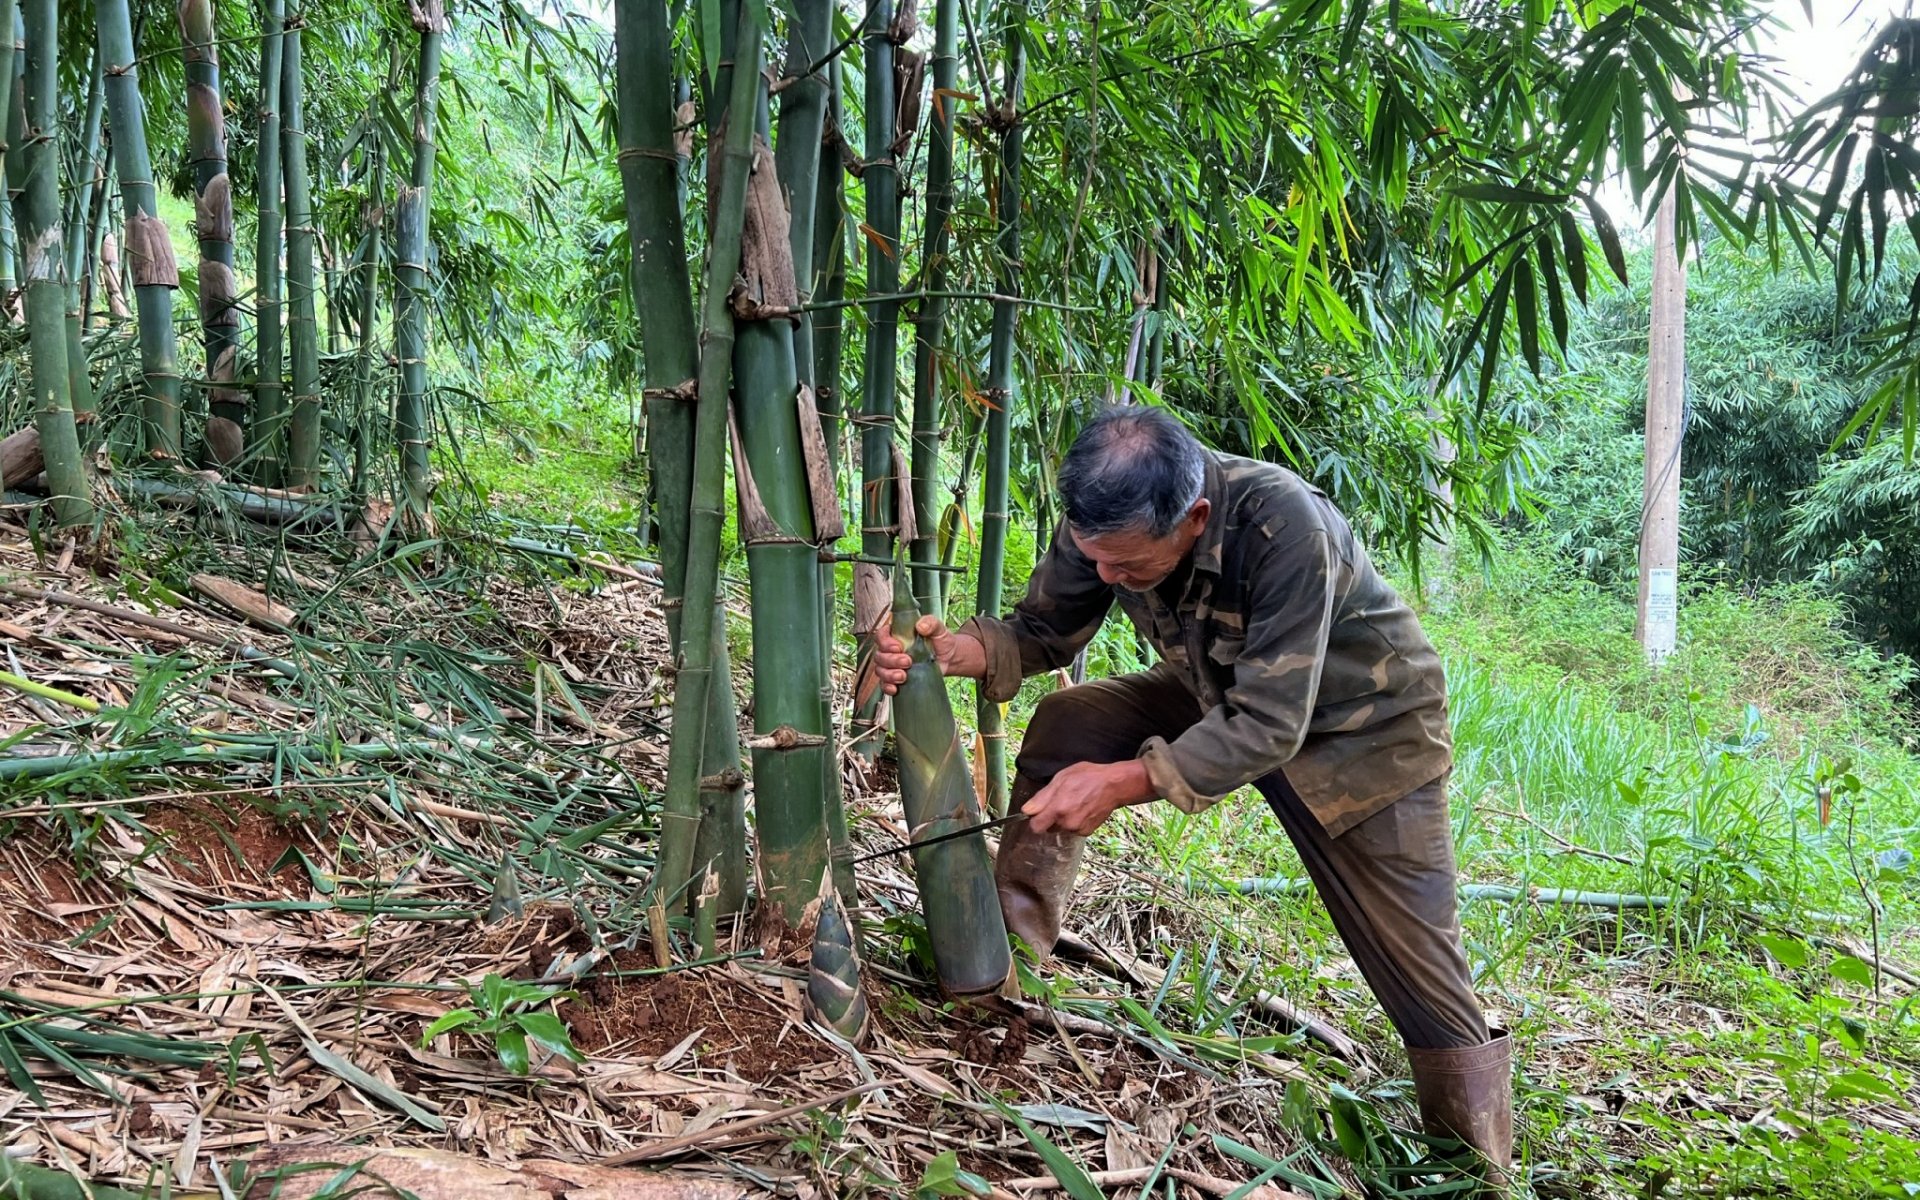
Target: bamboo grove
x=866 y=268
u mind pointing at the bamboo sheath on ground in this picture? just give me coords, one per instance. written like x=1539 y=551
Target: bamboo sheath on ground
x=1000 y=395
x=412 y=286
x=149 y=248
x=930 y=326
x=680 y=820
x=650 y=177
x=33 y=178
x=955 y=878
x=269 y=389
x=303 y=328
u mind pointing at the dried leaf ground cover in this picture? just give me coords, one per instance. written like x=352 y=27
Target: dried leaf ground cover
x=256 y=864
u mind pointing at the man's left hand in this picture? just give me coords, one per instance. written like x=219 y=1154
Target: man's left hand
x=1084 y=795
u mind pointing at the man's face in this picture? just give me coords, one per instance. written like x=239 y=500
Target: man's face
x=1133 y=559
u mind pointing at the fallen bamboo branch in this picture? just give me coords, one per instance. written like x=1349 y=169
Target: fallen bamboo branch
x=147 y=621
x=1212 y=1185
x=733 y=1128
x=59 y=764
x=1283 y=885
x=1145 y=974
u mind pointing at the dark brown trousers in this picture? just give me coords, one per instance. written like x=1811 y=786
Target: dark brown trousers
x=1389 y=882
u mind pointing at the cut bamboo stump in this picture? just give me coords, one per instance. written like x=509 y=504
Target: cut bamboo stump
x=286 y=1173
x=256 y=608
x=20 y=457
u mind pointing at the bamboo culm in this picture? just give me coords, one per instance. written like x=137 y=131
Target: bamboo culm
x=303 y=328
x=965 y=927
x=412 y=287
x=213 y=223
x=791 y=688
x=707 y=497
x=878 y=508
x=930 y=326
x=651 y=177
x=827 y=334
x=371 y=248
x=149 y=248
x=33 y=179
x=269 y=388
x=80 y=387
x=1000 y=395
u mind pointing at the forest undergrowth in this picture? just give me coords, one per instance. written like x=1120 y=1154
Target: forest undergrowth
x=1690 y=889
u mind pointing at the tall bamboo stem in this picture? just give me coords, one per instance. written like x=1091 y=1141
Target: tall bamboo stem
x=213 y=221
x=707 y=497
x=827 y=329
x=651 y=172
x=149 y=248
x=33 y=177
x=269 y=388
x=930 y=326
x=10 y=64
x=412 y=283
x=1001 y=393
x=373 y=223
x=879 y=520
x=791 y=688
x=74 y=233
x=303 y=327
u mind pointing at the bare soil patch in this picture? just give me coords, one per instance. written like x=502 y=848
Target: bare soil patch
x=647 y=1016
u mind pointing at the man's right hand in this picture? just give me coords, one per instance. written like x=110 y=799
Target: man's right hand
x=956 y=654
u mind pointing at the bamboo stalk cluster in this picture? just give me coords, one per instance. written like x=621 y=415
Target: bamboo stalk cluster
x=259 y=428
x=762 y=368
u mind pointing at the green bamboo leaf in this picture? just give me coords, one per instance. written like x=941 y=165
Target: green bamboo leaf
x=1503 y=193
x=1550 y=284
x=1609 y=238
x=1656 y=85
x=1496 y=322
x=1836 y=183
x=1350 y=36
x=1072 y=1177
x=1527 y=309
x=17 y=1071
x=1574 y=246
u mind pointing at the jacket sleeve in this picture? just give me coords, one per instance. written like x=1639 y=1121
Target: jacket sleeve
x=1062 y=610
x=1264 y=716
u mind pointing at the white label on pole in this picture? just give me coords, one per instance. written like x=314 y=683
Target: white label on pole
x=1663 y=612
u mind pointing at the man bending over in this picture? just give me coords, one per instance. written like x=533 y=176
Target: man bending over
x=1286 y=662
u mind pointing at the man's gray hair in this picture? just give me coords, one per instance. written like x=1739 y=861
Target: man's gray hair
x=1133 y=469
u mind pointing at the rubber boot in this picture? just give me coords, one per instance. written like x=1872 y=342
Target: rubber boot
x=1468 y=1094
x=1035 y=874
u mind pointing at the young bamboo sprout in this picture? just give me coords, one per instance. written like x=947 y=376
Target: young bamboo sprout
x=834 y=998
x=957 y=893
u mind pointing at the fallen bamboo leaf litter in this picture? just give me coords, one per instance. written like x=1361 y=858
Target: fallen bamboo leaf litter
x=304 y=878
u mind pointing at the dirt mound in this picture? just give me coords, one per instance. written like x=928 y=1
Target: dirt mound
x=650 y=1015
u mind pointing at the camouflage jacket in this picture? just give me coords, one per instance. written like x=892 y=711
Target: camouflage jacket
x=1304 y=658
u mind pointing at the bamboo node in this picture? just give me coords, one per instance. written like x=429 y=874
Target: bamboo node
x=627 y=152
x=786 y=737
x=728 y=780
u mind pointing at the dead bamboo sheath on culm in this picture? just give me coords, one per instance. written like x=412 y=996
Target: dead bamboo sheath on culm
x=957 y=894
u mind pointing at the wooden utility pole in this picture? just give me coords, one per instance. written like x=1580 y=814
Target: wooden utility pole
x=1666 y=398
